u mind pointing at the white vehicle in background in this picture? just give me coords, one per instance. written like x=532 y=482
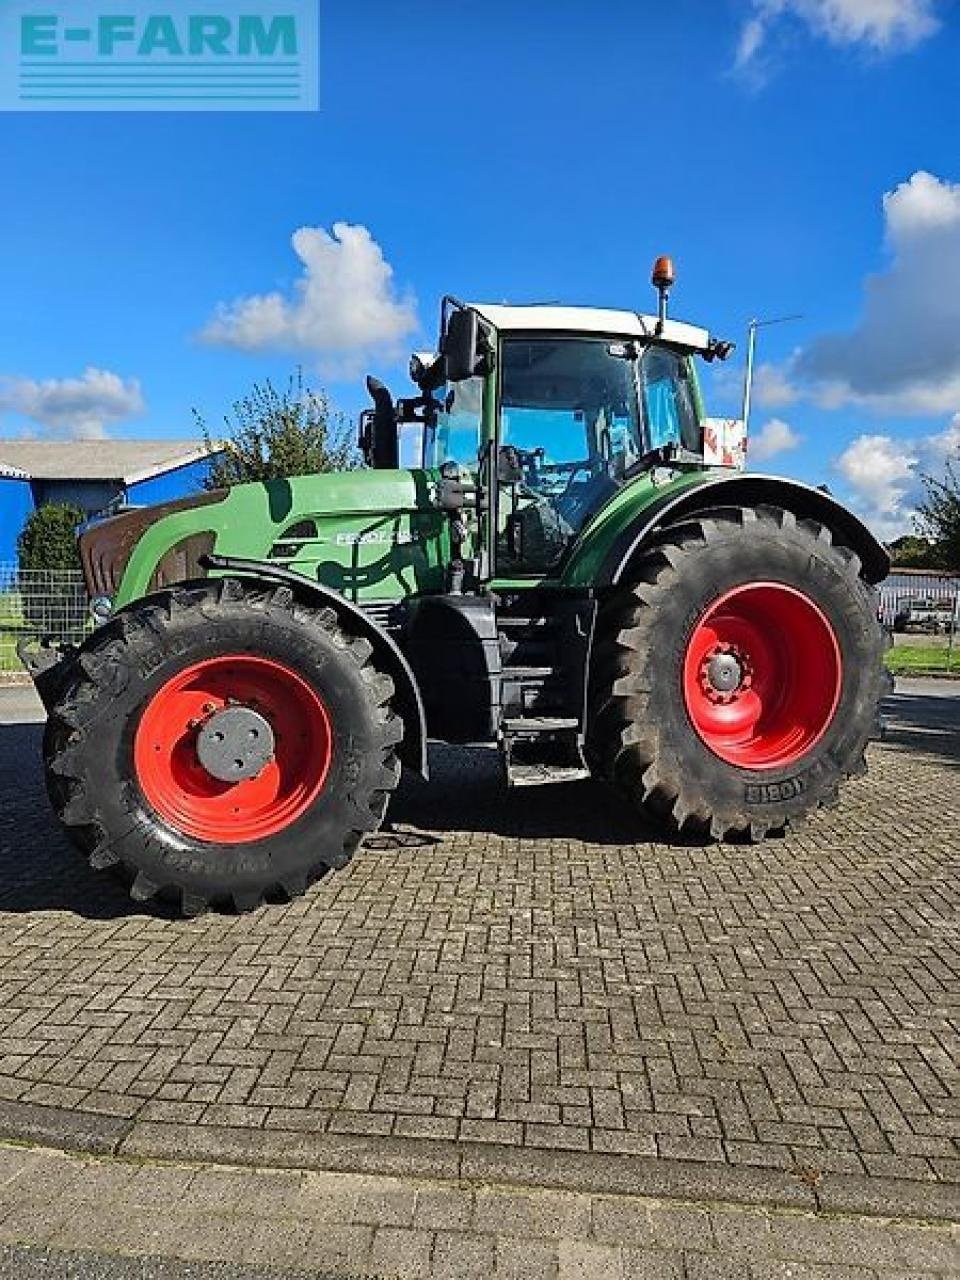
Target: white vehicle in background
x=934 y=617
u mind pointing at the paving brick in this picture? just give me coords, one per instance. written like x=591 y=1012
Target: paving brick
x=460 y=1255
x=653 y=1264
x=526 y=1259
x=531 y=1215
x=400 y=1252
x=385 y=1208
x=711 y=1266
x=444 y=1209
x=538 y=973
x=339 y=1247
x=583 y=1260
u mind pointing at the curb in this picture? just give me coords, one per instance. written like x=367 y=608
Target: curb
x=442 y=1160
x=927 y=674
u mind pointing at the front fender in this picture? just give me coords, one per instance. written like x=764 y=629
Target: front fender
x=676 y=503
x=407 y=699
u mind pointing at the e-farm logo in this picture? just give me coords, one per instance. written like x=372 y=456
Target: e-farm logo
x=134 y=55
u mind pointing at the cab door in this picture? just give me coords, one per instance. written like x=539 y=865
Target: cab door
x=569 y=431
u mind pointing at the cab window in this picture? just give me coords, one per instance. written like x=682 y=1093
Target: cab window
x=669 y=406
x=457 y=435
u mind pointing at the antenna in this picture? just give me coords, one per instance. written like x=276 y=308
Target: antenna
x=752 y=328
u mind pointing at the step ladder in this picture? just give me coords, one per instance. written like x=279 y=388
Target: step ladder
x=540 y=721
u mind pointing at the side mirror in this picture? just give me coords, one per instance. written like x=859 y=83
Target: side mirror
x=379 y=434
x=461 y=344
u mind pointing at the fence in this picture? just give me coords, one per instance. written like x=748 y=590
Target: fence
x=930 y=646
x=900 y=589
x=37 y=602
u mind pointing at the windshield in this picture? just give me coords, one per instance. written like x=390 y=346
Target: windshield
x=572 y=403
x=577 y=415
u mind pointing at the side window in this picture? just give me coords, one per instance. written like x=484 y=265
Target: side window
x=669 y=406
x=458 y=423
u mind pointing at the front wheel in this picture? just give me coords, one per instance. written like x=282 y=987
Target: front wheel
x=736 y=684
x=222 y=743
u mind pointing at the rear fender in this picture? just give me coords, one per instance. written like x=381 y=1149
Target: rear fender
x=407 y=699
x=746 y=491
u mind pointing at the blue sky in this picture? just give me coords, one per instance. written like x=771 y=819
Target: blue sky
x=518 y=151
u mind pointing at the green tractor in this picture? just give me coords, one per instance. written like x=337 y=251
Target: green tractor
x=577 y=569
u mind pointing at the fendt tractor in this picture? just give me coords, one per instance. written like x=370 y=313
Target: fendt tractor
x=577 y=569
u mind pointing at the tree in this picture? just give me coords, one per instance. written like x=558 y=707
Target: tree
x=939 y=516
x=51 y=590
x=48 y=539
x=271 y=434
x=914 y=552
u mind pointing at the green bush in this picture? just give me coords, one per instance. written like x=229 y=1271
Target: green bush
x=50 y=590
x=48 y=538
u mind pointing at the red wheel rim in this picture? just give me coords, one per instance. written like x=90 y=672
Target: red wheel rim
x=181 y=790
x=778 y=649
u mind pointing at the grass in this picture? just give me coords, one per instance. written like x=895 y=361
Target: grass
x=916 y=660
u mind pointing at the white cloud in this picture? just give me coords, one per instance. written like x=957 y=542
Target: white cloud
x=772 y=388
x=903 y=355
x=343 y=307
x=772 y=385
x=752 y=35
x=883 y=474
x=81 y=408
x=880 y=470
x=884 y=26
x=775 y=436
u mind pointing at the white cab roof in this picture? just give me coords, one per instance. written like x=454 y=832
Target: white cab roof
x=622 y=324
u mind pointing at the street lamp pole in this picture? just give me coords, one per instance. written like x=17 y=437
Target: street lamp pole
x=752 y=328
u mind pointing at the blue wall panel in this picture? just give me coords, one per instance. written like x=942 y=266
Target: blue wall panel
x=19 y=497
x=184 y=482
x=16 y=503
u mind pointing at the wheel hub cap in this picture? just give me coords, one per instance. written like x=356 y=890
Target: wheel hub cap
x=233 y=749
x=235 y=744
x=724 y=672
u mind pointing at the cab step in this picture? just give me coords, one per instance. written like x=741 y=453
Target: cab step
x=540 y=773
x=538 y=726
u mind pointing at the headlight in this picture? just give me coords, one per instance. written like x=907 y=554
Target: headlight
x=101 y=607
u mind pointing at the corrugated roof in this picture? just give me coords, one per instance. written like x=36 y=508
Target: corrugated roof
x=125 y=460
x=12 y=473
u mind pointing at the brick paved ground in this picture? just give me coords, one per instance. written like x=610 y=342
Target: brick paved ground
x=350 y=1226
x=528 y=970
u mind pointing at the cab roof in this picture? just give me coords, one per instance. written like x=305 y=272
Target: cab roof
x=621 y=324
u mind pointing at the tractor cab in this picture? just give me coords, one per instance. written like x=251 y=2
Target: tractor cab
x=548 y=411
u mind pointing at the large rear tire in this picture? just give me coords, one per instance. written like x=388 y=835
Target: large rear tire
x=220 y=744
x=736 y=683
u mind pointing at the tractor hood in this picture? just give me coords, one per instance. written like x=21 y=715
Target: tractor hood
x=374 y=534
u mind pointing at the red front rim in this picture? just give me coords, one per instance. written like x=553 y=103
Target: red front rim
x=762 y=676
x=181 y=790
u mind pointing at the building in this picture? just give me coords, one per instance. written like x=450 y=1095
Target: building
x=93 y=475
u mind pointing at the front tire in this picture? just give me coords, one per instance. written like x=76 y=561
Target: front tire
x=220 y=744
x=736 y=684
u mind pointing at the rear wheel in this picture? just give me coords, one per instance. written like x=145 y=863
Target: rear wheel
x=736 y=683
x=221 y=743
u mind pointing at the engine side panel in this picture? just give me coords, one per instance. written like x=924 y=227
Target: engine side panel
x=369 y=535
